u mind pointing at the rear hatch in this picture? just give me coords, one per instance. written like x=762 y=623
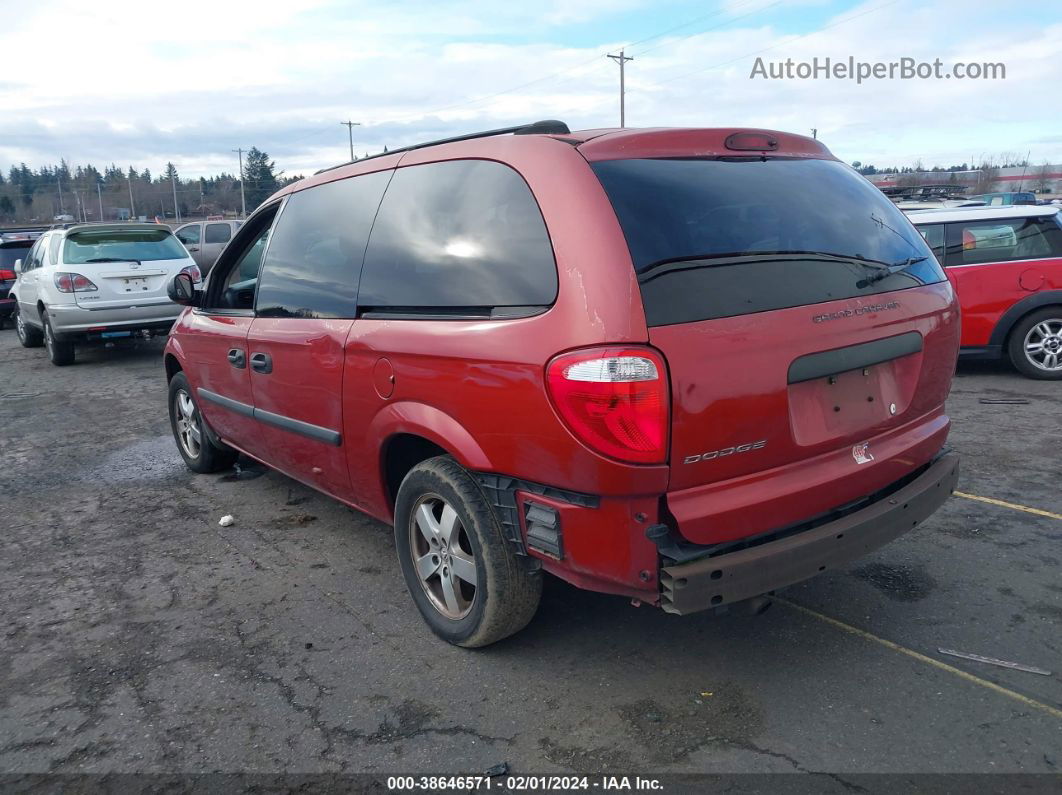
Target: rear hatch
x=129 y=267
x=800 y=314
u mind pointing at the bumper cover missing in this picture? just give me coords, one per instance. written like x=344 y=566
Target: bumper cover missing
x=736 y=576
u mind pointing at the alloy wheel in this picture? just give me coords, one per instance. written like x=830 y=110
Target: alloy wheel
x=1043 y=345
x=187 y=421
x=442 y=556
x=20 y=326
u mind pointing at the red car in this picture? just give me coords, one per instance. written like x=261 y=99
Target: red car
x=686 y=366
x=1006 y=265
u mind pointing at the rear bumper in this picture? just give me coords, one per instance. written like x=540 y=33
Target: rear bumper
x=7 y=305
x=70 y=322
x=735 y=576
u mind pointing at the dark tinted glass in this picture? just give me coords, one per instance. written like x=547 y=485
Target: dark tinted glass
x=718 y=238
x=1003 y=240
x=10 y=253
x=217 y=233
x=933 y=234
x=315 y=251
x=464 y=233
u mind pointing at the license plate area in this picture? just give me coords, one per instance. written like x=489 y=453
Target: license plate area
x=845 y=404
x=132 y=285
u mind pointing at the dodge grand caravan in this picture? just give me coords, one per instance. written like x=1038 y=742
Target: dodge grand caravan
x=686 y=366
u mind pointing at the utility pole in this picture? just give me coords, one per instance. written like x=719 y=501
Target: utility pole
x=243 y=199
x=173 y=184
x=59 y=182
x=99 y=198
x=621 y=59
x=815 y=133
x=350 y=125
x=132 y=208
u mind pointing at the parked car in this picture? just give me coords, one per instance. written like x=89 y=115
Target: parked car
x=97 y=282
x=206 y=239
x=11 y=250
x=1006 y=198
x=1006 y=265
x=685 y=366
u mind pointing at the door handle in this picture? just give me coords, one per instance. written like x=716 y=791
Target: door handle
x=193 y=248
x=237 y=358
x=261 y=362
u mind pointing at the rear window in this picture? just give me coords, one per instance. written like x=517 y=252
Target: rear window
x=9 y=253
x=103 y=245
x=719 y=238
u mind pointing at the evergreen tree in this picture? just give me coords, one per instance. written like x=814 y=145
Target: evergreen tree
x=260 y=177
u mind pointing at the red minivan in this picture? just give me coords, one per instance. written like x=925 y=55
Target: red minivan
x=686 y=366
x=1006 y=265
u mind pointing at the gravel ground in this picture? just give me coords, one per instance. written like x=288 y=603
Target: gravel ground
x=138 y=635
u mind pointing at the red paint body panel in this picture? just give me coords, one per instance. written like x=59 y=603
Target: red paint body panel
x=306 y=384
x=476 y=388
x=986 y=291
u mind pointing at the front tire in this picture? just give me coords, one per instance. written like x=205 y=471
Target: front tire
x=194 y=444
x=461 y=571
x=1035 y=345
x=28 y=336
x=60 y=353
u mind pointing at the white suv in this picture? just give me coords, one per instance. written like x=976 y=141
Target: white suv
x=95 y=282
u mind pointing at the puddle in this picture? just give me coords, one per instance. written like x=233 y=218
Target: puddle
x=903 y=583
x=151 y=459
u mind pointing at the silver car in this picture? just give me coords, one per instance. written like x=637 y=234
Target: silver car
x=206 y=239
x=97 y=282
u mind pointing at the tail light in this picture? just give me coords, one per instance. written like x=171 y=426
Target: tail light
x=73 y=283
x=615 y=401
x=193 y=272
x=6 y=274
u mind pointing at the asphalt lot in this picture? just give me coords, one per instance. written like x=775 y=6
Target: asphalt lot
x=138 y=635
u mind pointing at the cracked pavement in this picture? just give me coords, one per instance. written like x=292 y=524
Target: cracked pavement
x=139 y=636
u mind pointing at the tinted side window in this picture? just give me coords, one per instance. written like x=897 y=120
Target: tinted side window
x=312 y=264
x=461 y=233
x=217 y=233
x=1003 y=240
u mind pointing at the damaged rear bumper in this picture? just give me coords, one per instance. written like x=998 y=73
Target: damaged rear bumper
x=736 y=576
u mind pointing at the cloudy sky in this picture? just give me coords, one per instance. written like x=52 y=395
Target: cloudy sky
x=139 y=83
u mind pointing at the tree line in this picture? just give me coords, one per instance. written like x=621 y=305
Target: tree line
x=41 y=195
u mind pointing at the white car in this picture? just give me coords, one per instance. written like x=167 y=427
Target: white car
x=96 y=282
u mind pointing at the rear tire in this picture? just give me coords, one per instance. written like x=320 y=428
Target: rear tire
x=28 y=336
x=60 y=353
x=194 y=443
x=461 y=571
x=1035 y=344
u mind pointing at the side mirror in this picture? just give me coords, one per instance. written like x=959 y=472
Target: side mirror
x=182 y=290
x=18 y=266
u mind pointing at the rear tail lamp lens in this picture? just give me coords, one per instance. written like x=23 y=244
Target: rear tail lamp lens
x=73 y=283
x=615 y=401
x=6 y=274
x=193 y=273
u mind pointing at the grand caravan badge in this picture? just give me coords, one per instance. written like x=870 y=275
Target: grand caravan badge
x=740 y=448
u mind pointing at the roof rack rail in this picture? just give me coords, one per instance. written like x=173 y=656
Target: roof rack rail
x=544 y=127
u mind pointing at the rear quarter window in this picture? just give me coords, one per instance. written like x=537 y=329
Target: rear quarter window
x=458 y=234
x=1002 y=240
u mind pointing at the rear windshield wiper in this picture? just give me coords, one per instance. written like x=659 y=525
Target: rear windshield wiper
x=108 y=259
x=660 y=267
x=889 y=270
